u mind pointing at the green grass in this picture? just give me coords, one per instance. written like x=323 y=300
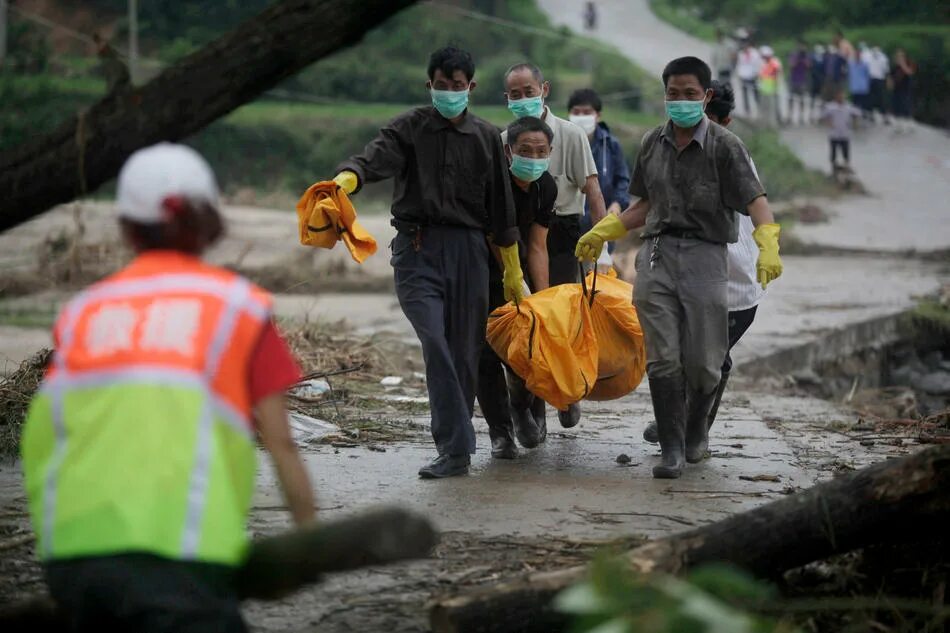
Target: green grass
x=683 y=19
x=37 y=319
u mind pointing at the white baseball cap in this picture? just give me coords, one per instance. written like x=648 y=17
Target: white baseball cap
x=154 y=174
x=766 y=51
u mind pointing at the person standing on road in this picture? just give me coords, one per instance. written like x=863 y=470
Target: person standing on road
x=840 y=115
x=139 y=449
x=748 y=66
x=799 y=78
x=902 y=79
x=585 y=110
x=770 y=76
x=817 y=81
x=835 y=73
x=723 y=56
x=575 y=173
x=452 y=188
x=510 y=410
x=689 y=178
x=744 y=290
x=859 y=82
x=878 y=69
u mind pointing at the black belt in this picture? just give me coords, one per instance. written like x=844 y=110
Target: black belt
x=684 y=234
x=407 y=226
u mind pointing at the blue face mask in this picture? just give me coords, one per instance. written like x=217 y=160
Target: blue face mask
x=449 y=103
x=685 y=114
x=528 y=169
x=529 y=106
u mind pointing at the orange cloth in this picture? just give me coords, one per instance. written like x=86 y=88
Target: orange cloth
x=325 y=215
x=621 y=358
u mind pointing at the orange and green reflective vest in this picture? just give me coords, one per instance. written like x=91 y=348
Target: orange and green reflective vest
x=140 y=438
x=768 y=76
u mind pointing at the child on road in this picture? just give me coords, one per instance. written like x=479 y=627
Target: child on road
x=839 y=115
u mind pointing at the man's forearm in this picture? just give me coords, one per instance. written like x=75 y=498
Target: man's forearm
x=538 y=268
x=635 y=216
x=595 y=197
x=615 y=208
x=295 y=483
x=760 y=212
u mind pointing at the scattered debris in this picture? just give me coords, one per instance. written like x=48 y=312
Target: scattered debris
x=16 y=392
x=306 y=429
x=391 y=381
x=762 y=477
x=623 y=459
x=311 y=389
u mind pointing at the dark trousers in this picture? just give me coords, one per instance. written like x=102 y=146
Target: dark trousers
x=563 y=234
x=844 y=145
x=739 y=322
x=493 y=385
x=750 y=86
x=140 y=592
x=442 y=286
x=878 y=96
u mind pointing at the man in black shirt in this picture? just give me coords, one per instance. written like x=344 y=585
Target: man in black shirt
x=451 y=189
x=509 y=408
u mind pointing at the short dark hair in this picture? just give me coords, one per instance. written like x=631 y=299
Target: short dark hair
x=723 y=101
x=192 y=229
x=688 y=66
x=450 y=59
x=528 y=124
x=585 y=96
x=535 y=71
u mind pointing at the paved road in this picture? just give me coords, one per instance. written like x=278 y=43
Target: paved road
x=907 y=175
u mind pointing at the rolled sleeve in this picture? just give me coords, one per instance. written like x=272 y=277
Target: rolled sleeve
x=740 y=183
x=498 y=198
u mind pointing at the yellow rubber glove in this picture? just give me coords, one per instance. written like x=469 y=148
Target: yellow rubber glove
x=347 y=181
x=591 y=243
x=769 y=266
x=512 y=278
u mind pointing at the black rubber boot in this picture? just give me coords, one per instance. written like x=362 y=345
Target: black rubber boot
x=540 y=414
x=526 y=429
x=503 y=444
x=650 y=433
x=698 y=406
x=571 y=417
x=669 y=406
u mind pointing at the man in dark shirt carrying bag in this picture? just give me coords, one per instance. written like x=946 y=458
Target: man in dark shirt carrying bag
x=451 y=189
x=509 y=408
x=689 y=177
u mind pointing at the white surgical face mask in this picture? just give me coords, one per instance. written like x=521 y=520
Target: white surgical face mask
x=586 y=122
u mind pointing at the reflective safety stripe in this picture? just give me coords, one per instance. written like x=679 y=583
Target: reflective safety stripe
x=198 y=490
x=157 y=284
x=150 y=375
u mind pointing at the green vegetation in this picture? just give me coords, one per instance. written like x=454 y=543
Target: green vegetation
x=684 y=18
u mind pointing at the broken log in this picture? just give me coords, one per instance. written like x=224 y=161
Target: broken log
x=282 y=564
x=889 y=502
x=89 y=148
x=279 y=565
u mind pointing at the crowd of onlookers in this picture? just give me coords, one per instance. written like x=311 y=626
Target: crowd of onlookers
x=837 y=84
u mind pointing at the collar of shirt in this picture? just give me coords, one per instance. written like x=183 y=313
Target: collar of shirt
x=699 y=134
x=439 y=122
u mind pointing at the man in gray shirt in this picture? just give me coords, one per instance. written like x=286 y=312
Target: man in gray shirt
x=572 y=165
x=689 y=176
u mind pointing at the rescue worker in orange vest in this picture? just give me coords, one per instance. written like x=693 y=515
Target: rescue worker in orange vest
x=139 y=448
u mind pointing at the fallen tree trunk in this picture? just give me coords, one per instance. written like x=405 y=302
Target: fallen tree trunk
x=896 y=500
x=279 y=565
x=90 y=147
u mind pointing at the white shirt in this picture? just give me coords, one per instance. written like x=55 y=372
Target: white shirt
x=749 y=63
x=571 y=163
x=878 y=64
x=743 y=287
x=744 y=290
